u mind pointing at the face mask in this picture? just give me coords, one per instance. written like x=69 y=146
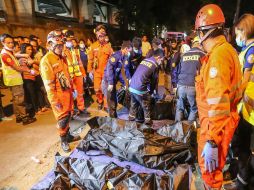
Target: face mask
x=9 y=49
x=239 y=42
x=135 y=50
x=128 y=54
x=82 y=46
x=69 y=44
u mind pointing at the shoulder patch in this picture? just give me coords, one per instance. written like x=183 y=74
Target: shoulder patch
x=112 y=59
x=213 y=72
x=250 y=58
x=8 y=60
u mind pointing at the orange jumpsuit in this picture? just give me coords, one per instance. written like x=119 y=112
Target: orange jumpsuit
x=54 y=70
x=217 y=94
x=77 y=74
x=98 y=56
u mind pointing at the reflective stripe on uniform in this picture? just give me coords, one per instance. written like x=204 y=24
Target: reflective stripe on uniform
x=218 y=100
x=213 y=113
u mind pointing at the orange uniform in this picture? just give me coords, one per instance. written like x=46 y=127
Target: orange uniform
x=77 y=73
x=98 y=56
x=218 y=93
x=55 y=76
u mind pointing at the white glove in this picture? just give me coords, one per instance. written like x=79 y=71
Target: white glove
x=91 y=76
x=75 y=94
x=110 y=87
x=129 y=81
x=32 y=72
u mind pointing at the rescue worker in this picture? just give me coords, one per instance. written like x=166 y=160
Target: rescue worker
x=217 y=93
x=146 y=46
x=98 y=56
x=143 y=84
x=156 y=44
x=12 y=78
x=134 y=59
x=76 y=70
x=243 y=141
x=174 y=61
x=188 y=68
x=57 y=81
x=113 y=74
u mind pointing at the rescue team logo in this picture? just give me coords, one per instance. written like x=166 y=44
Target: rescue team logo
x=213 y=72
x=8 y=59
x=112 y=59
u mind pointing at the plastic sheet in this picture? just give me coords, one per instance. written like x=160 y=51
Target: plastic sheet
x=139 y=144
x=79 y=173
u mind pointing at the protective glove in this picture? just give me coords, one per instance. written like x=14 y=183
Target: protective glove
x=91 y=76
x=75 y=94
x=211 y=157
x=110 y=87
x=129 y=81
x=32 y=72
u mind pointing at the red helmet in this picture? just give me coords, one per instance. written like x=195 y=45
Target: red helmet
x=209 y=16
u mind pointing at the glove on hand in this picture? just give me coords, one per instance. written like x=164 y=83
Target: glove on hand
x=211 y=157
x=110 y=87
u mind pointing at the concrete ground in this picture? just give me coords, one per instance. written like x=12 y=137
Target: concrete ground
x=19 y=143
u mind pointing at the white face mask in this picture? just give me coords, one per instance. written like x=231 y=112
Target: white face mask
x=69 y=44
x=82 y=46
x=9 y=49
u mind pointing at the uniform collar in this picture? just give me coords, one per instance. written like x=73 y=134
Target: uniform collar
x=245 y=47
x=219 y=41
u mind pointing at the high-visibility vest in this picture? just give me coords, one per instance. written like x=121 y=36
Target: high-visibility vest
x=248 y=96
x=11 y=76
x=73 y=65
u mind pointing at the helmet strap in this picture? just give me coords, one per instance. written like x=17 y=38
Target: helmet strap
x=206 y=35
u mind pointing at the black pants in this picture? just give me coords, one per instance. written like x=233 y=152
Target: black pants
x=144 y=102
x=112 y=102
x=241 y=147
x=31 y=99
x=41 y=93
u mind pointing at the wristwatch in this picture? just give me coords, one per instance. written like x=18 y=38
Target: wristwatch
x=212 y=143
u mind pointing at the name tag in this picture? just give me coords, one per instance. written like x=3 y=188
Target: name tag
x=191 y=58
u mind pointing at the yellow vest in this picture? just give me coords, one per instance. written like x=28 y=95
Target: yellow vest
x=11 y=76
x=73 y=65
x=248 y=97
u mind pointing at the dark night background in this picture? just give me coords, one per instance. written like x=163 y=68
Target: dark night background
x=176 y=15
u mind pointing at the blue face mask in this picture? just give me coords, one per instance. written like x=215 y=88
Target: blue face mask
x=239 y=42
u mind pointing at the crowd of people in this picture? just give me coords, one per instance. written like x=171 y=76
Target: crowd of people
x=211 y=83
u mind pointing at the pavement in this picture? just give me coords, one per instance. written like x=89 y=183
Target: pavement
x=40 y=139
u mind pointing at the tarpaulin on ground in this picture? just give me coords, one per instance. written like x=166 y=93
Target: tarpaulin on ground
x=137 y=158
x=84 y=172
x=139 y=144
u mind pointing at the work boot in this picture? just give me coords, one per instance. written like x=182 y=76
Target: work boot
x=71 y=138
x=28 y=120
x=19 y=119
x=64 y=144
